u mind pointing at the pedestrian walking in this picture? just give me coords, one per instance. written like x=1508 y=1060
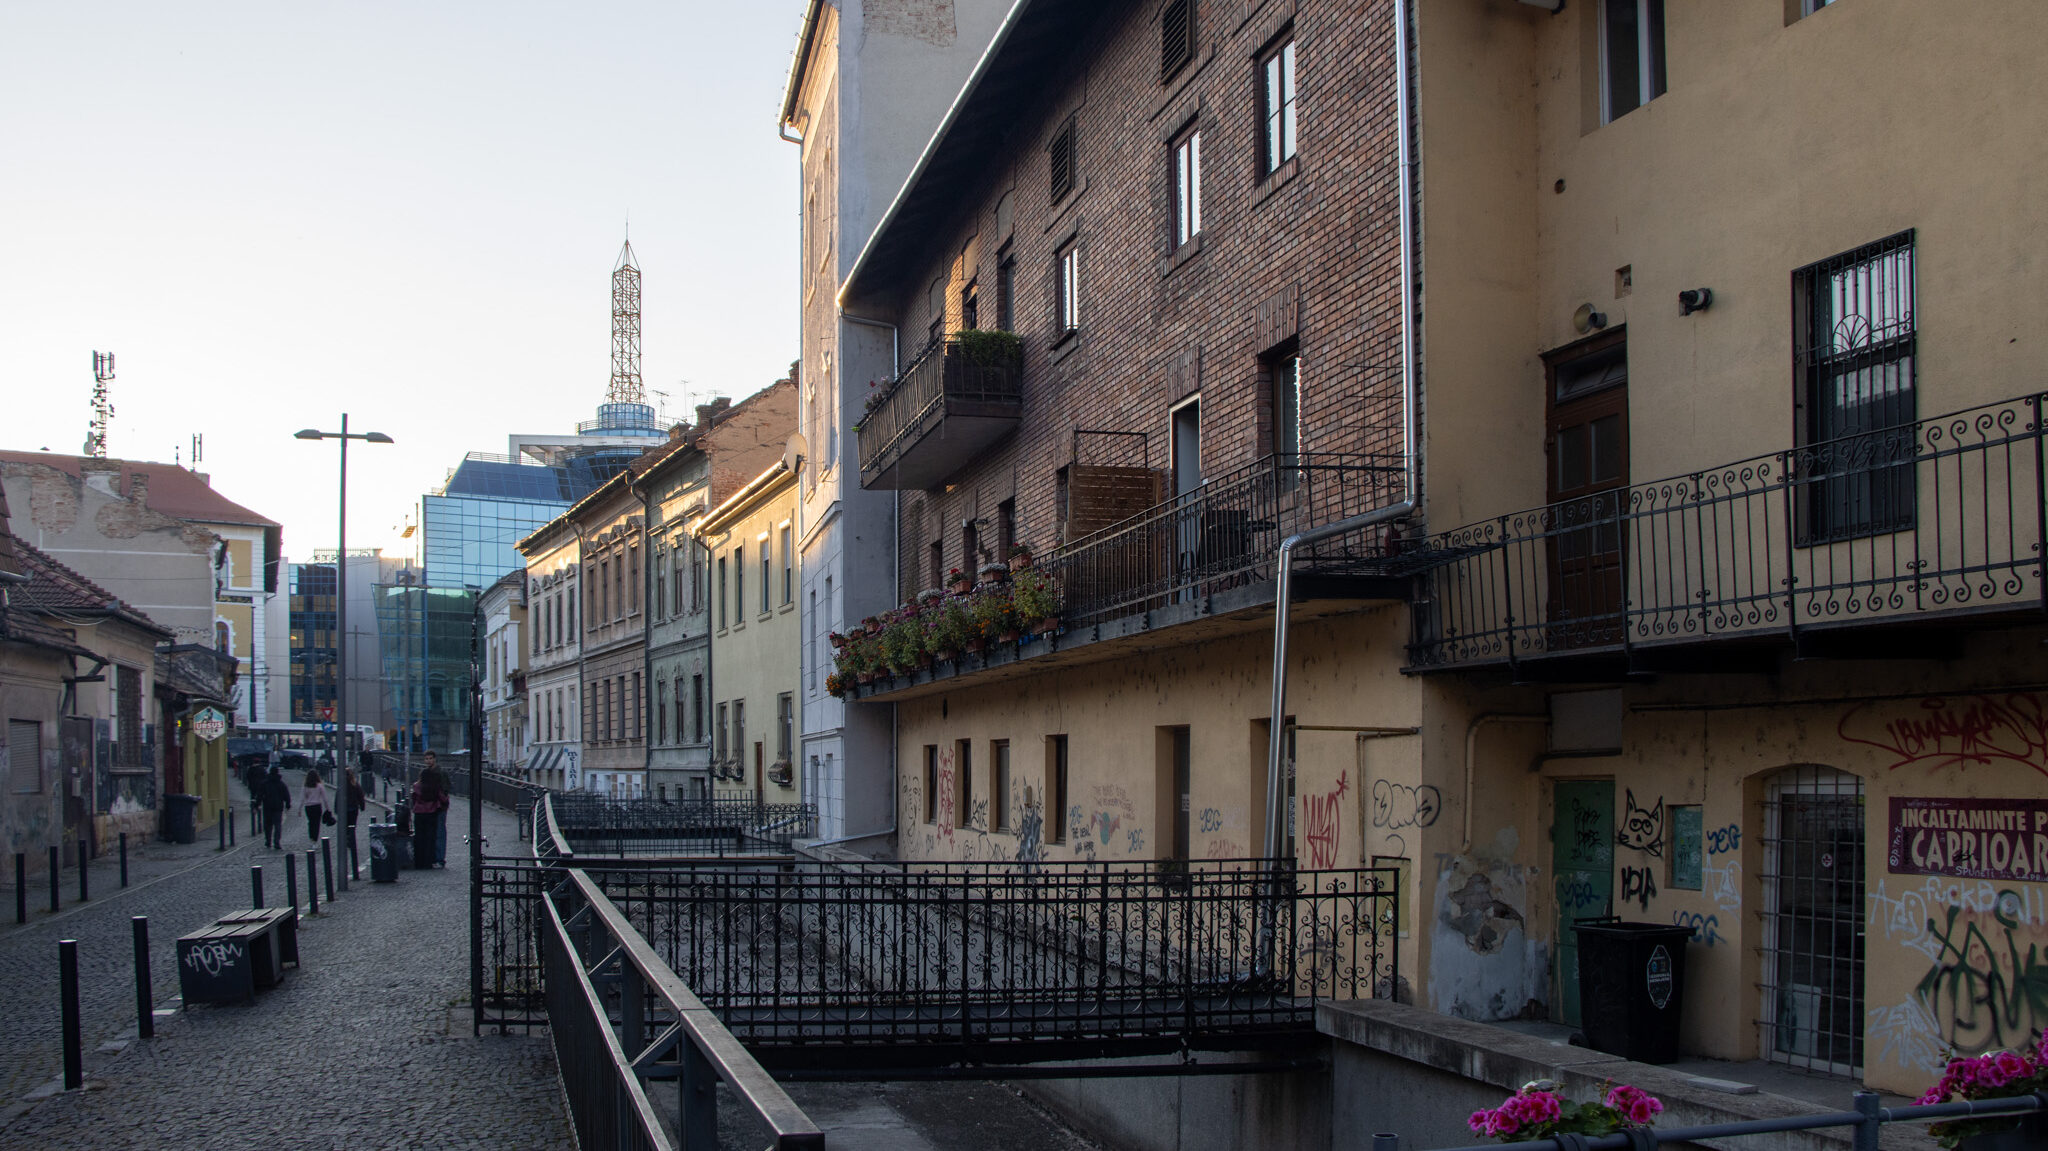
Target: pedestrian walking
x=440 y=828
x=352 y=806
x=429 y=806
x=277 y=795
x=313 y=798
x=252 y=778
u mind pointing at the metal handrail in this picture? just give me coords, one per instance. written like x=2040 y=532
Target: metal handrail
x=679 y=1038
x=924 y=383
x=1867 y=1119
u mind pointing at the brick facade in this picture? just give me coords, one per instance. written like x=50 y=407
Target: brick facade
x=1303 y=259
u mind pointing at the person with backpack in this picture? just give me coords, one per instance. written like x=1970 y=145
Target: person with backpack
x=277 y=795
x=429 y=807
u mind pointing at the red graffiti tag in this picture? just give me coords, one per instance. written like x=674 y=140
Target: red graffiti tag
x=1972 y=731
x=1320 y=825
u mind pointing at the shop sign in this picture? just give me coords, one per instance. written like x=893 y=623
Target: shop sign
x=1969 y=838
x=209 y=724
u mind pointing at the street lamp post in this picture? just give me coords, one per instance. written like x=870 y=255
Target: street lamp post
x=341 y=630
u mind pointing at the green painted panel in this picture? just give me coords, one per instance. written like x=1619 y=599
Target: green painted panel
x=1582 y=860
x=1687 y=846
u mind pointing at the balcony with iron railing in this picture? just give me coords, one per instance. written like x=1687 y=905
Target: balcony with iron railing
x=1201 y=563
x=1836 y=547
x=948 y=405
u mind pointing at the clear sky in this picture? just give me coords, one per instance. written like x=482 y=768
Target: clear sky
x=273 y=213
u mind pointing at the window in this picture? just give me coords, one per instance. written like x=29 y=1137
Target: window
x=739 y=729
x=931 y=783
x=788 y=566
x=1006 y=294
x=128 y=710
x=1854 y=343
x=1176 y=37
x=636 y=715
x=970 y=305
x=970 y=547
x=739 y=585
x=1276 y=106
x=936 y=554
x=766 y=584
x=785 y=726
x=25 y=756
x=723 y=746
x=632 y=582
x=661 y=710
x=661 y=584
x=1631 y=55
x=1187 y=188
x=1060 y=162
x=963 y=781
x=1062 y=501
x=999 y=786
x=721 y=593
x=697 y=707
x=1006 y=530
x=1067 y=295
x=1055 y=788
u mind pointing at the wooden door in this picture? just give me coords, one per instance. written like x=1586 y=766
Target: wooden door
x=1587 y=449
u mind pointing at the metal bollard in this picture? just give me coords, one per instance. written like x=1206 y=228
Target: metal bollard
x=124 y=859
x=84 y=870
x=223 y=828
x=327 y=858
x=56 y=865
x=21 y=887
x=291 y=880
x=145 y=1006
x=227 y=816
x=256 y=885
x=312 y=885
x=67 y=975
x=1865 y=1135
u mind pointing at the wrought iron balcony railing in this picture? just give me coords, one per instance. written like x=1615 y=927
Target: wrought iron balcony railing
x=1226 y=534
x=1937 y=517
x=946 y=407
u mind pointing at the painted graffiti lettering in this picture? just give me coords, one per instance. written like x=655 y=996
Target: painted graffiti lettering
x=1724 y=885
x=1909 y=1034
x=944 y=807
x=1585 y=828
x=1577 y=894
x=1137 y=840
x=1985 y=994
x=1638 y=884
x=1396 y=805
x=214 y=957
x=1642 y=828
x=1321 y=827
x=1705 y=928
x=1970 y=732
x=1212 y=820
x=1721 y=840
x=1031 y=835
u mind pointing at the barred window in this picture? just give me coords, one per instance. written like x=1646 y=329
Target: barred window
x=1854 y=344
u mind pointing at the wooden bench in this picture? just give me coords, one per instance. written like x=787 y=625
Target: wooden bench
x=228 y=961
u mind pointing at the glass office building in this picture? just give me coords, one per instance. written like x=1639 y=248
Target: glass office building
x=424 y=640
x=470 y=527
x=312 y=642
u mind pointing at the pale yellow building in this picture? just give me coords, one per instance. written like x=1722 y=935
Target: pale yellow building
x=750 y=540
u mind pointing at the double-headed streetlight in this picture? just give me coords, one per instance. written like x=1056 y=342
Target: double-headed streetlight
x=341 y=636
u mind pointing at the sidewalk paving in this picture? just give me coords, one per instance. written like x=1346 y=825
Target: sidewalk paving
x=368 y=1044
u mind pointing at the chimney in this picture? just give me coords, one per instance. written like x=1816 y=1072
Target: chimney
x=138 y=488
x=100 y=475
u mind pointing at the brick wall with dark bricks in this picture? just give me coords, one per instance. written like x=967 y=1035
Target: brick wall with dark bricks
x=1304 y=258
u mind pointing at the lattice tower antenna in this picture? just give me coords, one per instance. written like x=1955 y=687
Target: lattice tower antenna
x=626 y=387
x=102 y=405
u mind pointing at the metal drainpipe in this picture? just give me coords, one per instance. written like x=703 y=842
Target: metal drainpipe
x=1284 y=564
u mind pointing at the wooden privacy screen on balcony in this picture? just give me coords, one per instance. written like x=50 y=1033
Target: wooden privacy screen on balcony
x=1099 y=496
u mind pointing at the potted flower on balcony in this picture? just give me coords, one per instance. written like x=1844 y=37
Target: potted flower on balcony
x=993 y=573
x=959 y=582
x=1994 y=1075
x=1037 y=601
x=989 y=347
x=1539 y=1111
x=1020 y=557
x=994 y=616
x=836 y=683
x=952 y=626
x=903 y=642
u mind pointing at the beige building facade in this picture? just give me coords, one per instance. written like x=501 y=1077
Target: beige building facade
x=750 y=539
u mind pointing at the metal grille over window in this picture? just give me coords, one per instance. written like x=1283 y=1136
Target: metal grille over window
x=1854 y=341
x=1813 y=920
x=1176 y=37
x=1062 y=162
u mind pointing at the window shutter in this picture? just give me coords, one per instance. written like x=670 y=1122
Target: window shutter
x=1176 y=37
x=1062 y=162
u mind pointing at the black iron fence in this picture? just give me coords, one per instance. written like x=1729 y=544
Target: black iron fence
x=585 y=825
x=1005 y=963
x=621 y=1021
x=1226 y=534
x=1940 y=516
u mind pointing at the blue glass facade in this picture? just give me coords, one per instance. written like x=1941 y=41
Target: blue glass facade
x=424 y=637
x=312 y=642
x=469 y=539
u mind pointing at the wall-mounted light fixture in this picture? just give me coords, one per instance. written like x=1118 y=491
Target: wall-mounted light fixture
x=1551 y=6
x=1695 y=300
x=1588 y=320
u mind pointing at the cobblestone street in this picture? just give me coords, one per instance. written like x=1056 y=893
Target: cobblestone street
x=368 y=1044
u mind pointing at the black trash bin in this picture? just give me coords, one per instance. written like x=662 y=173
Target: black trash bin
x=384 y=841
x=181 y=822
x=1632 y=987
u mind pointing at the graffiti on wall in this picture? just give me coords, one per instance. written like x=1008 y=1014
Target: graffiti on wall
x=1642 y=828
x=1986 y=981
x=1723 y=881
x=1031 y=833
x=1638 y=884
x=1705 y=928
x=1321 y=829
x=1970 y=731
x=1397 y=807
x=944 y=805
x=1722 y=840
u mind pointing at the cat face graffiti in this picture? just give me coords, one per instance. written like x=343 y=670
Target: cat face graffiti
x=1642 y=828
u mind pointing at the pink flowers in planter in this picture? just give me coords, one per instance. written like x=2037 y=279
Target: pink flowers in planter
x=1992 y=1075
x=1537 y=1111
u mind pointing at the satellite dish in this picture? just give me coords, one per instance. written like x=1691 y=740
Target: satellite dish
x=794 y=450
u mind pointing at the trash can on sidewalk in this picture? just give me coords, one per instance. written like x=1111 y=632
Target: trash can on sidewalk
x=383 y=853
x=1632 y=987
x=181 y=824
